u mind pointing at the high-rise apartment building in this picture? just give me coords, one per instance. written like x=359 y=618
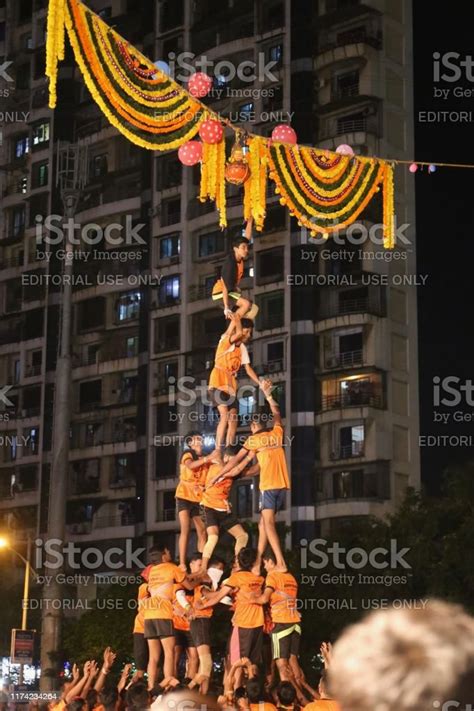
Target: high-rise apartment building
x=336 y=330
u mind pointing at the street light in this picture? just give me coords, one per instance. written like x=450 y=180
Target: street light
x=5 y=545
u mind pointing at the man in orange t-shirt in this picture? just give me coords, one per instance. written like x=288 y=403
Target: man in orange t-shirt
x=247 y=637
x=324 y=703
x=158 y=613
x=267 y=445
x=140 y=646
x=281 y=593
x=231 y=354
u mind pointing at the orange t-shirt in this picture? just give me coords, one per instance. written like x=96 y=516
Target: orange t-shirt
x=139 y=623
x=191 y=481
x=219 y=284
x=217 y=496
x=163 y=576
x=227 y=362
x=180 y=621
x=284 y=596
x=247 y=613
x=198 y=596
x=263 y=706
x=271 y=458
x=323 y=705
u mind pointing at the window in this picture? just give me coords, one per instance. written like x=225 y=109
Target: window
x=165 y=505
x=132 y=346
x=35 y=359
x=275 y=54
x=247 y=407
x=275 y=352
x=166 y=417
x=169 y=246
x=128 y=388
x=274 y=100
x=90 y=394
x=353 y=122
x=167 y=337
x=2 y=31
x=23 y=76
x=41 y=134
x=39 y=65
x=99 y=166
x=348 y=485
x=171 y=211
x=350 y=441
x=246 y=111
x=39 y=205
x=211 y=243
x=244 y=500
x=31 y=440
x=270 y=265
x=165 y=462
x=27 y=478
x=271 y=314
x=168 y=172
x=105 y=13
x=128 y=306
x=346 y=85
x=22 y=146
x=168 y=293
x=91 y=314
x=18 y=217
x=40 y=174
x=172 y=14
x=278 y=393
x=124 y=470
x=24 y=10
x=86 y=476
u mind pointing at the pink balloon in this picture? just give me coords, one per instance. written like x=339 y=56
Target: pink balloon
x=211 y=131
x=199 y=84
x=344 y=150
x=190 y=153
x=284 y=134
x=413 y=168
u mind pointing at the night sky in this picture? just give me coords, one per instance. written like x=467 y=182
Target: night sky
x=445 y=230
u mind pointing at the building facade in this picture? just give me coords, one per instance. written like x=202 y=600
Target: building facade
x=336 y=331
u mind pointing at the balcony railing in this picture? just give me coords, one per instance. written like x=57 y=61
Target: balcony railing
x=347 y=359
x=345 y=92
x=125 y=519
x=199 y=291
x=347 y=451
x=351 y=37
x=360 y=399
x=123 y=482
x=167 y=515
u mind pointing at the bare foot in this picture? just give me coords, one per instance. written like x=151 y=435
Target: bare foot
x=281 y=568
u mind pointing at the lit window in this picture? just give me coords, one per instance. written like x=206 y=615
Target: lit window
x=41 y=133
x=22 y=146
x=169 y=290
x=129 y=306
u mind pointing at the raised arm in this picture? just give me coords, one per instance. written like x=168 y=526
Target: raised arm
x=267 y=389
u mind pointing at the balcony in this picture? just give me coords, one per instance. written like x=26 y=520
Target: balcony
x=362 y=482
x=167 y=515
x=371 y=397
x=199 y=362
x=125 y=519
x=348 y=359
x=124 y=482
x=338 y=93
x=199 y=291
x=349 y=451
x=364 y=300
x=358 y=35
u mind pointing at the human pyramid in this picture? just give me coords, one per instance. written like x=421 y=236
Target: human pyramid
x=176 y=603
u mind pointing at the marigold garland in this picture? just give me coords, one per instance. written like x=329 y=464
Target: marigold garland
x=255 y=187
x=325 y=191
x=212 y=185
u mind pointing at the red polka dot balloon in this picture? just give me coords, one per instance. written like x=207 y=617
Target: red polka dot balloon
x=284 y=134
x=199 y=84
x=211 y=131
x=190 y=153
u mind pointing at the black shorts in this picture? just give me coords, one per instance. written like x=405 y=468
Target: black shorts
x=246 y=642
x=183 y=638
x=221 y=519
x=285 y=640
x=185 y=505
x=221 y=397
x=156 y=629
x=201 y=631
x=140 y=651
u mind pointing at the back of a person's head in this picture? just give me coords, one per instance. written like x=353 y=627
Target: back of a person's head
x=91 y=699
x=247 y=558
x=137 y=697
x=405 y=660
x=76 y=704
x=238 y=240
x=286 y=693
x=108 y=697
x=255 y=692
